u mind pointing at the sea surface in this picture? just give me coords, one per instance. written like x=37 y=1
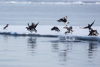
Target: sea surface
x=47 y=51
x=21 y=12
x=30 y=51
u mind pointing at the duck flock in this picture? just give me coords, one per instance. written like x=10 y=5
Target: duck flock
x=69 y=29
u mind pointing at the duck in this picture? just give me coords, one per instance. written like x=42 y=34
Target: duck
x=55 y=28
x=32 y=27
x=6 y=26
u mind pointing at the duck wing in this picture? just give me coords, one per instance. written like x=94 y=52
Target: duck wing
x=93 y=23
x=36 y=25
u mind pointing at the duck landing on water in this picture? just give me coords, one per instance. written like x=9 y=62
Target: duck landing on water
x=69 y=29
x=93 y=32
x=32 y=27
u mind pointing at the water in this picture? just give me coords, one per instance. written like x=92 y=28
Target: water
x=41 y=51
x=27 y=51
x=47 y=13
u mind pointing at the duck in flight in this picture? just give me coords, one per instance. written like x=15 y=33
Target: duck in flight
x=69 y=29
x=64 y=19
x=32 y=27
x=92 y=32
x=55 y=29
x=89 y=26
x=6 y=26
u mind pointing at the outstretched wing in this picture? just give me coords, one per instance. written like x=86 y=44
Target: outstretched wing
x=85 y=27
x=36 y=25
x=93 y=23
x=66 y=28
x=60 y=20
x=28 y=24
x=6 y=26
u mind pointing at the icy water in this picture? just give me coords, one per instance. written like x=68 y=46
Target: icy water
x=47 y=52
x=47 y=14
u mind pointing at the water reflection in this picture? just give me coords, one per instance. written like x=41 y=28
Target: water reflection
x=63 y=55
x=61 y=49
x=92 y=49
x=32 y=44
x=67 y=50
x=5 y=37
x=92 y=46
x=55 y=47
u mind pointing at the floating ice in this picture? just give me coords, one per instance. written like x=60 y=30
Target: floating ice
x=45 y=31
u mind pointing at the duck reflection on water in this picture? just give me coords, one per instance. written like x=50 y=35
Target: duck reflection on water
x=92 y=49
x=61 y=49
x=32 y=44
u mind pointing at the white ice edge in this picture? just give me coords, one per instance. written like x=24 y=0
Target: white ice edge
x=45 y=30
